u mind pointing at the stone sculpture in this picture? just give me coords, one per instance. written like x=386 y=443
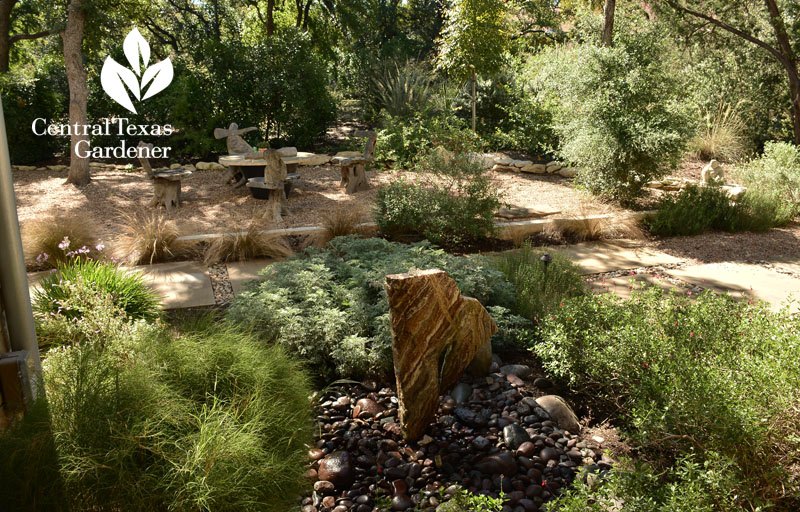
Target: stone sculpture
x=436 y=333
x=712 y=173
x=233 y=138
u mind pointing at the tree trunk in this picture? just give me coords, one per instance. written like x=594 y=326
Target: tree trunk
x=78 y=90
x=305 y=14
x=776 y=20
x=474 y=99
x=5 y=28
x=270 y=17
x=607 y=37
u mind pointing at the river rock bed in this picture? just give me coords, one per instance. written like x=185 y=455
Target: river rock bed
x=490 y=434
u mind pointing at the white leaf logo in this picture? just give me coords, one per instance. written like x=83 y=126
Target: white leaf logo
x=115 y=77
x=135 y=46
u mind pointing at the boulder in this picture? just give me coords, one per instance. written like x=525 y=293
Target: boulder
x=503 y=160
x=431 y=322
x=521 y=163
x=57 y=168
x=560 y=412
x=482 y=361
x=349 y=154
x=553 y=167
x=175 y=166
x=712 y=173
x=209 y=166
x=288 y=151
x=568 y=172
x=504 y=168
x=321 y=159
x=445 y=155
x=535 y=168
x=735 y=192
x=24 y=168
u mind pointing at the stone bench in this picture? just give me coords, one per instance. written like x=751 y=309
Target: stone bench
x=166 y=183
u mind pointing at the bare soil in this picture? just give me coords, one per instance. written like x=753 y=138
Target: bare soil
x=209 y=206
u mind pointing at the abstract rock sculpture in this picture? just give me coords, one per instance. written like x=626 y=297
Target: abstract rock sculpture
x=436 y=333
x=233 y=138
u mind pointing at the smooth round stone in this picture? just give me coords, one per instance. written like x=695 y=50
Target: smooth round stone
x=461 y=392
x=337 y=468
x=324 y=487
x=519 y=370
x=366 y=408
x=543 y=383
x=328 y=502
x=514 y=436
x=401 y=502
x=548 y=453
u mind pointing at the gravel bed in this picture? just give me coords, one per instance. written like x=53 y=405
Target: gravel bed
x=221 y=284
x=489 y=434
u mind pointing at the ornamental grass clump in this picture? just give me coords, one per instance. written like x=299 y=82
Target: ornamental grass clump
x=540 y=287
x=705 y=375
x=142 y=418
x=65 y=291
x=50 y=240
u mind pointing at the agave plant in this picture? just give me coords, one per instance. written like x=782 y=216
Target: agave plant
x=401 y=90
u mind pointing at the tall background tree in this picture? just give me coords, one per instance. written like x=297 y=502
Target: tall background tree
x=759 y=22
x=474 y=40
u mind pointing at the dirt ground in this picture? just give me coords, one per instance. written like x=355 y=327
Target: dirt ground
x=209 y=206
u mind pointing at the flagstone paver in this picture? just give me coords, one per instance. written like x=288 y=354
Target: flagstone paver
x=624 y=286
x=183 y=284
x=743 y=280
x=599 y=257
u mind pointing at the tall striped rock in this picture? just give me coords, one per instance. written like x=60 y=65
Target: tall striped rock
x=436 y=334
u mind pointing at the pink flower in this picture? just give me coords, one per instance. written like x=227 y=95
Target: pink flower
x=64 y=243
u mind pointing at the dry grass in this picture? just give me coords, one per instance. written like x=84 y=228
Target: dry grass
x=722 y=136
x=149 y=238
x=247 y=245
x=41 y=238
x=595 y=223
x=340 y=222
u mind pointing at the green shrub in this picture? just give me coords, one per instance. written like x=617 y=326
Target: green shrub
x=453 y=203
x=616 y=111
x=697 y=209
x=405 y=139
x=527 y=126
x=26 y=97
x=540 y=289
x=688 y=486
x=65 y=291
x=329 y=305
x=711 y=374
x=146 y=420
x=774 y=175
x=692 y=211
